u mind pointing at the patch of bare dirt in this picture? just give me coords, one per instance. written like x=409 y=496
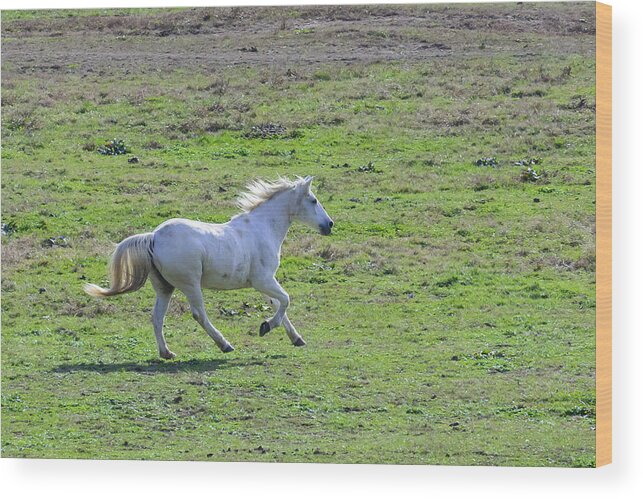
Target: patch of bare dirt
x=214 y=38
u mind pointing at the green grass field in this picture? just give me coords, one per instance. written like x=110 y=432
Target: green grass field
x=450 y=318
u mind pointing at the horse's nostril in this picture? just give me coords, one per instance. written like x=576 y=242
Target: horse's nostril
x=330 y=224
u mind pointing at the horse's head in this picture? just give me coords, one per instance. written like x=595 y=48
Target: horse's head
x=310 y=211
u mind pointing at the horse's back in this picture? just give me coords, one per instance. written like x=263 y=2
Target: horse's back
x=185 y=226
x=186 y=249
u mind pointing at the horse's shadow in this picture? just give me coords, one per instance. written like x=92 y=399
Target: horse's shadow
x=155 y=366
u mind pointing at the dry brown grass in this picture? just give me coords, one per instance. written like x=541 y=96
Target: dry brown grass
x=17 y=250
x=586 y=262
x=482 y=182
x=332 y=252
x=178 y=306
x=77 y=308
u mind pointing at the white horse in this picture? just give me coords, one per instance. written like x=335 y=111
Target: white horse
x=244 y=252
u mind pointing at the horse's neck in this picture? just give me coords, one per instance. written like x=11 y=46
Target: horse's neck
x=276 y=217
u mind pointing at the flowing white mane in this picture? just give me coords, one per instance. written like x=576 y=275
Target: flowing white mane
x=260 y=191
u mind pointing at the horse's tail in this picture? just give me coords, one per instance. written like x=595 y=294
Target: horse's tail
x=129 y=267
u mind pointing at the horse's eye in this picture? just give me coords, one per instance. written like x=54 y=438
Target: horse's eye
x=314 y=201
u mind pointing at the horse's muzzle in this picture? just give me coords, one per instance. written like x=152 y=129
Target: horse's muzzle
x=325 y=229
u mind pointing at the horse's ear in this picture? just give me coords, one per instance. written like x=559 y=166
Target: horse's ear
x=308 y=180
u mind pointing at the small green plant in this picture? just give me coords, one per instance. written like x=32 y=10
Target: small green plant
x=231 y=153
x=266 y=131
x=322 y=75
x=8 y=228
x=580 y=411
x=113 y=148
x=367 y=168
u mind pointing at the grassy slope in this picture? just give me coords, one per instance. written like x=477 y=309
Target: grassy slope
x=449 y=319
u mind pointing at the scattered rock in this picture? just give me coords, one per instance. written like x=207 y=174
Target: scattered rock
x=531 y=175
x=536 y=200
x=229 y=312
x=60 y=241
x=528 y=162
x=222 y=189
x=42 y=290
x=248 y=49
x=454 y=424
x=133 y=160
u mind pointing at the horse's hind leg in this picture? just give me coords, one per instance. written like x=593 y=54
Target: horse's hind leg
x=294 y=336
x=164 y=292
x=195 y=297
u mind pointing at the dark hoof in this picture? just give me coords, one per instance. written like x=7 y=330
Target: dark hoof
x=228 y=349
x=299 y=343
x=264 y=328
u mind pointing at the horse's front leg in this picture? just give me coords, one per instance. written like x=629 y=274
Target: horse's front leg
x=273 y=289
x=294 y=336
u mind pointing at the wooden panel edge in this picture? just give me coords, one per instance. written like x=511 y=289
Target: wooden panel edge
x=603 y=234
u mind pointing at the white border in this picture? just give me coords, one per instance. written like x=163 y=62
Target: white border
x=123 y=479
